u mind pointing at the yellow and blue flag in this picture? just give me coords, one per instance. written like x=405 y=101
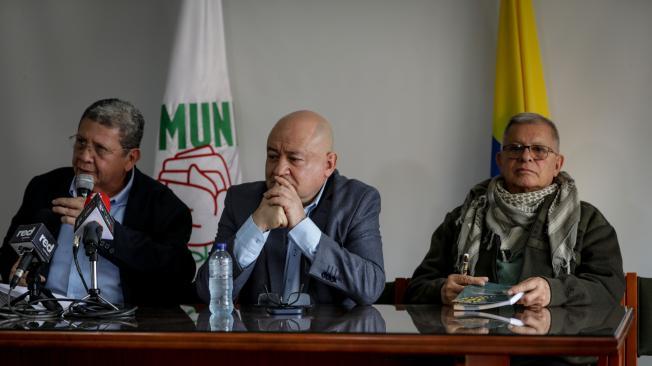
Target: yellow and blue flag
x=520 y=86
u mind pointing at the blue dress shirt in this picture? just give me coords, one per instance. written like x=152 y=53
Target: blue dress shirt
x=304 y=239
x=63 y=277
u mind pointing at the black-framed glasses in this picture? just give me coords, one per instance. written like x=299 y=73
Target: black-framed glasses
x=297 y=298
x=538 y=152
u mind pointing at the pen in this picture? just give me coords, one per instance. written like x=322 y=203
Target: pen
x=465 y=264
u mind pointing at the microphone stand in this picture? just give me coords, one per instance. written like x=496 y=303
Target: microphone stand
x=36 y=290
x=93 y=291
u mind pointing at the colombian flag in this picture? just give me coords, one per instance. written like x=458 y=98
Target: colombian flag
x=520 y=86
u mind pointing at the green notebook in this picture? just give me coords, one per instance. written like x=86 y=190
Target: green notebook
x=491 y=295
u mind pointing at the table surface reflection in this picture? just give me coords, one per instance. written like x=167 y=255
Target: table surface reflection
x=376 y=319
x=412 y=329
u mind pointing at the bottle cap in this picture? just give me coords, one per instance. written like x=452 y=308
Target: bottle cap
x=220 y=246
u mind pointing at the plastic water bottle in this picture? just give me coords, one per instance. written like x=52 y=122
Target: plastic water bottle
x=222 y=321
x=220 y=281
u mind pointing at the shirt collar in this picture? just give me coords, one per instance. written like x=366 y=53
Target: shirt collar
x=120 y=198
x=314 y=202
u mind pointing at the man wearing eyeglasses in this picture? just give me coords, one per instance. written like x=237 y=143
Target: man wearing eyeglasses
x=147 y=262
x=306 y=228
x=526 y=228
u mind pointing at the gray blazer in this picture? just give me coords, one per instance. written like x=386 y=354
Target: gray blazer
x=348 y=265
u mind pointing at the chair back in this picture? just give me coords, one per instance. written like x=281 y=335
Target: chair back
x=394 y=292
x=631 y=300
x=400 y=287
x=644 y=311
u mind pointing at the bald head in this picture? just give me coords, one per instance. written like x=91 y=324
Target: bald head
x=308 y=126
x=300 y=150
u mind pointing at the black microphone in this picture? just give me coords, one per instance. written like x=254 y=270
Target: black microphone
x=25 y=260
x=92 y=236
x=34 y=244
x=84 y=184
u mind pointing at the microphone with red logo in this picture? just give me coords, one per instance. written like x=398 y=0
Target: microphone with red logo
x=94 y=224
x=34 y=244
x=96 y=209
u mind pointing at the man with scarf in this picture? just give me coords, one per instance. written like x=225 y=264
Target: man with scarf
x=526 y=228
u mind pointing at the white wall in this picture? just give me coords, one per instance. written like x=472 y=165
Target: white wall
x=598 y=64
x=60 y=56
x=408 y=86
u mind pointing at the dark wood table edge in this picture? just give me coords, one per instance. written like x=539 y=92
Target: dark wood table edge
x=325 y=342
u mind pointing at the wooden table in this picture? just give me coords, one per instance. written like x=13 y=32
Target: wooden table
x=378 y=335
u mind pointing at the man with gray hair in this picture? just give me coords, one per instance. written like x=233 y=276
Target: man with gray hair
x=147 y=262
x=525 y=228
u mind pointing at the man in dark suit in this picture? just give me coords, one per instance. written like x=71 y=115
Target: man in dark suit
x=147 y=262
x=305 y=228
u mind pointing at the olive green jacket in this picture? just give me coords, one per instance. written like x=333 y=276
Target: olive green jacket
x=596 y=274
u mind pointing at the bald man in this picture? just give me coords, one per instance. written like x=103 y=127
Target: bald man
x=305 y=228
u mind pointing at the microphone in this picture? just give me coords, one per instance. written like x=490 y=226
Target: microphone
x=96 y=209
x=92 y=235
x=25 y=260
x=84 y=184
x=34 y=244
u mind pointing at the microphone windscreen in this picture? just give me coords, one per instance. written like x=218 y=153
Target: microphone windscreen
x=84 y=182
x=92 y=233
x=34 y=238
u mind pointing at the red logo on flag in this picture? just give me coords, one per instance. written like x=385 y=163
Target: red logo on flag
x=200 y=178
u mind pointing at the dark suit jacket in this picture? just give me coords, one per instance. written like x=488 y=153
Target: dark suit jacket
x=348 y=265
x=149 y=247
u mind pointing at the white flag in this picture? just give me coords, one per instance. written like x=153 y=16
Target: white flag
x=197 y=156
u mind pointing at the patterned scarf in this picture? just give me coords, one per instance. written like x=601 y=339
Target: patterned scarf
x=509 y=216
